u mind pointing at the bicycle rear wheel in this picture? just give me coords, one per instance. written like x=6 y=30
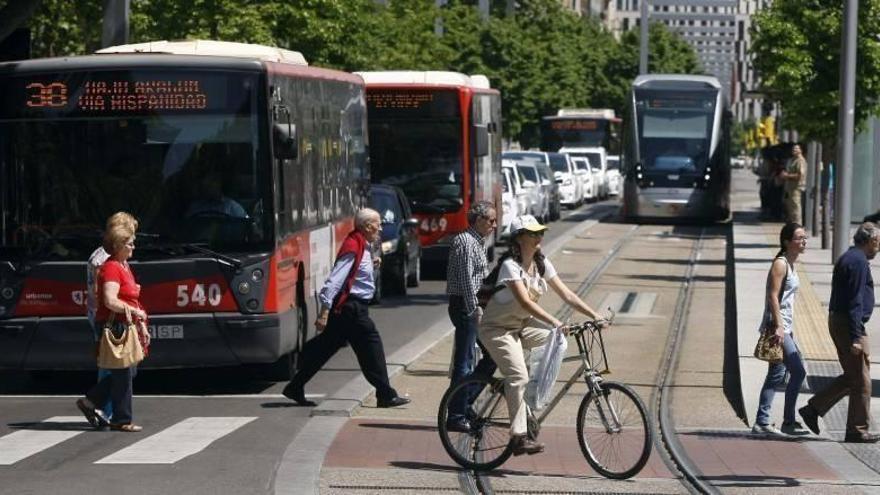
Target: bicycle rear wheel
x=486 y=445
x=613 y=431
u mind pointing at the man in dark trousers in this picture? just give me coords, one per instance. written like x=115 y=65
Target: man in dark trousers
x=464 y=275
x=852 y=301
x=344 y=317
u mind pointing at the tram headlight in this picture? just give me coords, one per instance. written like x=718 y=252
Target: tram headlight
x=639 y=176
x=707 y=177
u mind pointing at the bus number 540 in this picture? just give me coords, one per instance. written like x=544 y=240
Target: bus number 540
x=198 y=295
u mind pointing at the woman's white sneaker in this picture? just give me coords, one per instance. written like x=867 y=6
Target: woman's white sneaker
x=766 y=430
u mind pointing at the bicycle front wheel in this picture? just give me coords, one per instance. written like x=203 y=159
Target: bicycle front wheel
x=485 y=444
x=613 y=431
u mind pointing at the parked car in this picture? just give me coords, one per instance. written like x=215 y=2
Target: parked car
x=522 y=197
x=400 y=248
x=587 y=177
x=571 y=186
x=540 y=192
x=598 y=160
x=512 y=203
x=613 y=175
x=546 y=176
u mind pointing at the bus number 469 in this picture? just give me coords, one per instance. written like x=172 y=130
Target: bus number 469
x=198 y=295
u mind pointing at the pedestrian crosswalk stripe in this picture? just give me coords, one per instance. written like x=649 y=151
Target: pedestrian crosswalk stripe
x=27 y=442
x=181 y=440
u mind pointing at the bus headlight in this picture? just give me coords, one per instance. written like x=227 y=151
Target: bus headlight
x=257 y=275
x=244 y=288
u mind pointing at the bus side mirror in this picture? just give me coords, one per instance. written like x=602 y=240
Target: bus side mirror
x=481 y=140
x=284 y=140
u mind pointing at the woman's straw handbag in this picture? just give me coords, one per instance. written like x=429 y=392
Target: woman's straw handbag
x=122 y=352
x=767 y=349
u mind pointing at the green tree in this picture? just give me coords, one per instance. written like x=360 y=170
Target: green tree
x=796 y=49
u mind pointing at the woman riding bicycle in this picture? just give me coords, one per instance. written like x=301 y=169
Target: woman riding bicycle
x=507 y=327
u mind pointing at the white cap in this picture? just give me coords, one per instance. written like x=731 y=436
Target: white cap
x=526 y=222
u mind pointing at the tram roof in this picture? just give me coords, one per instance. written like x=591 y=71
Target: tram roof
x=440 y=78
x=212 y=48
x=672 y=81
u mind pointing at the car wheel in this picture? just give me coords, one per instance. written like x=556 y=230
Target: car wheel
x=412 y=279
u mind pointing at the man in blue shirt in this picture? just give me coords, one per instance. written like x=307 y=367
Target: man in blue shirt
x=852 y=301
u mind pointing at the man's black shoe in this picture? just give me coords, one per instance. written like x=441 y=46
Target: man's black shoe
x=810 y=417
x=859 y=438
x=298 y=395
x=393 y=402
x=460 y=425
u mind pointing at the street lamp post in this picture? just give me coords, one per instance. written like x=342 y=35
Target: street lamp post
x=643 y=38
x=843 y=167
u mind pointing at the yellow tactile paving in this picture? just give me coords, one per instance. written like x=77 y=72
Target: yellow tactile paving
x=811 y=318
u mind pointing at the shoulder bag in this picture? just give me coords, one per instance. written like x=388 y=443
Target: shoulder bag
x=767 y=349
x=120 y=352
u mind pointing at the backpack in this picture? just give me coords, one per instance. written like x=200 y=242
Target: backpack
x=489 y=286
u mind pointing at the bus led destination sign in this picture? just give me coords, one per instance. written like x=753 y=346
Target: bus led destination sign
x=574 y=125
x=117 y=96
x=399 y=100
x=412 y=103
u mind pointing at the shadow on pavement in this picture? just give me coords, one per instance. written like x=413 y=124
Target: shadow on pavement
x=399 y=426
x=752 y=481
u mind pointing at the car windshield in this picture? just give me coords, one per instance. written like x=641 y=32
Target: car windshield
x=530 y=173
x=505 y=184
x=417 y=146
x=386 y=204
x=199 y=175
x=613 y=164
x=558 y=162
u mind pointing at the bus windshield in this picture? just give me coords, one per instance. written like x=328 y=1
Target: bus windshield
x=577 y=132
x=675 y=129
x=416 y=144
x=180 y=150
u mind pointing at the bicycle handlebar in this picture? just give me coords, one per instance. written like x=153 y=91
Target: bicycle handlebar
x=590 y=325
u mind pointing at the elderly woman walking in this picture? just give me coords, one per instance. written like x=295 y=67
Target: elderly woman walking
x=782 y=287
x=118 y=294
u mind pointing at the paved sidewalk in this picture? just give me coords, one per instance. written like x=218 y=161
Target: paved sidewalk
x=755 y=245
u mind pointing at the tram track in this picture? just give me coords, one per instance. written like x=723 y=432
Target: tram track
x=665 y=438
x=666 y=441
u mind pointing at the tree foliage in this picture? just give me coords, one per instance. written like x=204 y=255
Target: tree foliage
x=796 y=49
x=542 y=58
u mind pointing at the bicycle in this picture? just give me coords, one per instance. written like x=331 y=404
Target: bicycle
x=612 y=423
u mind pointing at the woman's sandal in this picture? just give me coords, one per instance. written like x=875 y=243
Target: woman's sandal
x=128 y=428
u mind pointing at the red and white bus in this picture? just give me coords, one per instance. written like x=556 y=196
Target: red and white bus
x=244 y=166
x=437 y=136
x=580 y=128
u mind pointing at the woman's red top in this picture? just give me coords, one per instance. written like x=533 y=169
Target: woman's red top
x=129 y=290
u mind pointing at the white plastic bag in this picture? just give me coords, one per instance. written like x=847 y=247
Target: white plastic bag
x=544 y=364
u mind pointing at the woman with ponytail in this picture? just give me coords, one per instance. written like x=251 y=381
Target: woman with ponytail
x=782 y=287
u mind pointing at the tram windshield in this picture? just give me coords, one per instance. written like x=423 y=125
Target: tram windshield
x=180 y=150
x=675 y=130
x=416 y=145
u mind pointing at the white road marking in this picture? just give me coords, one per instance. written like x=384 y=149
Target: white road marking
x=25 y=443
x=172 y=444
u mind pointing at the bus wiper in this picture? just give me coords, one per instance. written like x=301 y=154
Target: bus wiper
x=229 y=260
x=220 y=257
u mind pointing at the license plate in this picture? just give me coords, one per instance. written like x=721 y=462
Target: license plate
x=166 y=332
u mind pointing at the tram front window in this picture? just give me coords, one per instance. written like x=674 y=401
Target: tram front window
x=187 y=176
x=675 y=131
